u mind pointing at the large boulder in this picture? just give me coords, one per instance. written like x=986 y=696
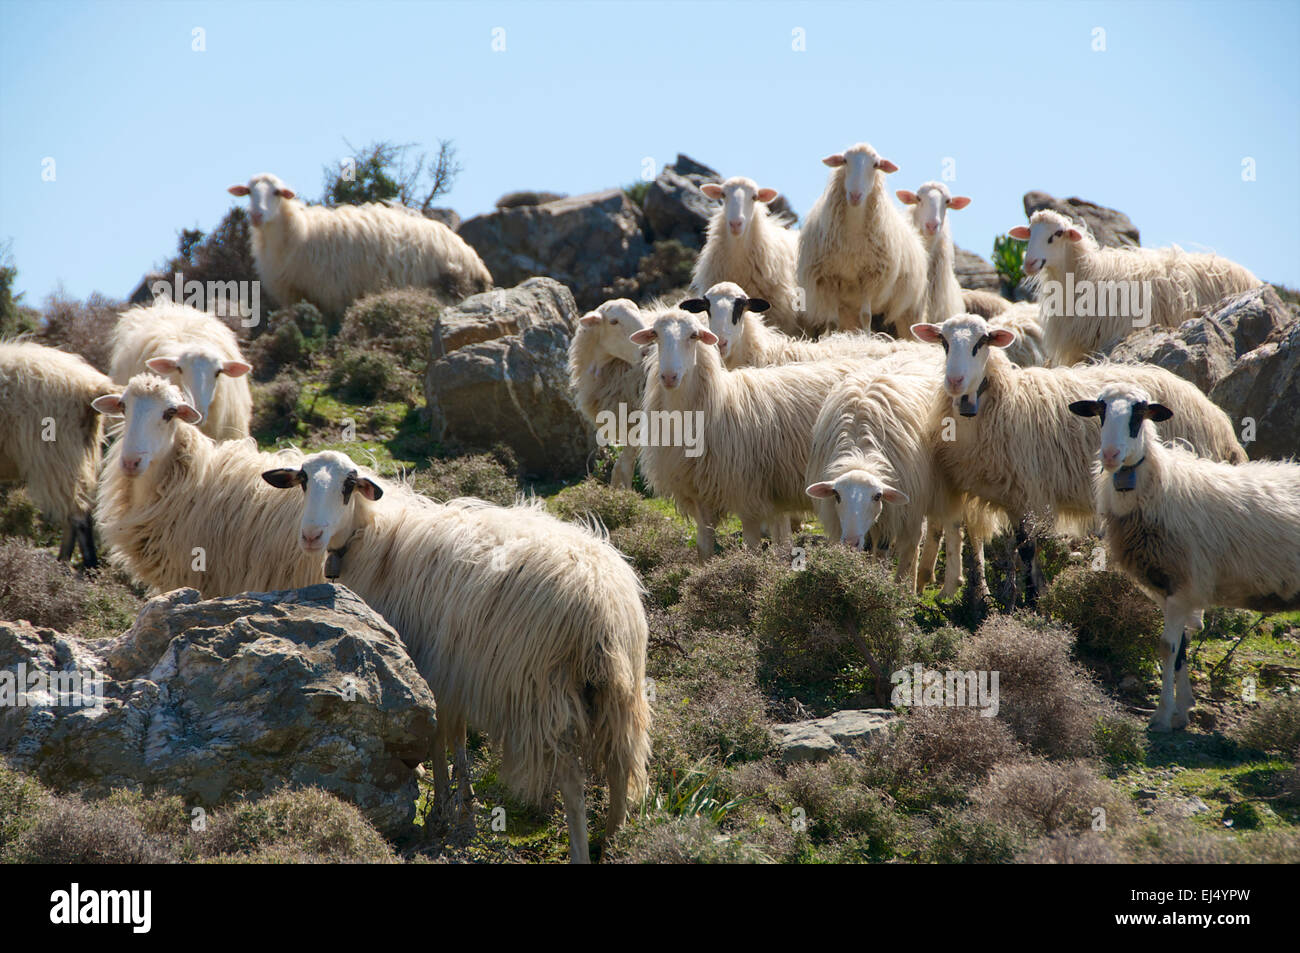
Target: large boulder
x=975 y=273
x=1108 y=226
x=219 y=699
x=586 y=242
x=1262 y=394
x=819 y=739
x=675 y=208
x=498 y=373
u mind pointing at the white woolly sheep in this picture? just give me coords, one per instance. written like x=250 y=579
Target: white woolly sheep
x=1193 y=533
x=1012 y=441
x=193 y=349
x=1022 y=317
x=728 y=441
x=930 y=204
x=746 y=245
x=178 y=509
x=50 y=438
x=858 y=254
x=331 y=257
x=1091 y=298
x=986 y=304
x=523 y=625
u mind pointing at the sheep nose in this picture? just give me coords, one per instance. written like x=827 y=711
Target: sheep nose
x=311 y=537
x=670 y=380
x=954 y=383
x=131 y=464
x=1109 y=456
x=257 y=218
x=853 y=542
x=855 y=198
x=931 y=227
x=736 y=227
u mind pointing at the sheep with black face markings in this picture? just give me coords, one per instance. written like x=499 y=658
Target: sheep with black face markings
x=1192 y=532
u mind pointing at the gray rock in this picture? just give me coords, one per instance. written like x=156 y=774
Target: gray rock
x=685 y=165
x=1108 y=226
x=214 y=700
x=1264 y=386
x=448 y=217
x=675 y=208
x=527 y=197
x=821 y=738
x=975 y=273
x=498 y=373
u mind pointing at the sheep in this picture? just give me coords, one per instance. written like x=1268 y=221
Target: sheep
x=331 y=257
x=870 y=448
x=858 y=255
x=605 y=369
x=1012 y=443
x=526 y=626
x=749 y=246
x=986 y=304
x=1092 y=298
x=193 y=349
x=930 y=204
x=757 y=421
x=1192 y=532
x=50 y=438
x=745 y=340
x=1022 y=317
x=179 y=509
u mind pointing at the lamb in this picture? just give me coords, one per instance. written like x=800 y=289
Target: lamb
x=1193 y=533
x=745 y=340
x=605 y=369
x=930 y=204
x=1013 y=445
x=179 y=509
x=870 y=448
x=50 y=438
x=746 y=245
x=331 y=257
x=858 y=255
x=1093 y=297
x=193 y=349
x=756 y=420
x=526 y=626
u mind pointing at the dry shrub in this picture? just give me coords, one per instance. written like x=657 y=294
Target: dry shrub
x=724 y=592
x=72 y=831
x=276 y=407
x=612 y=507
x=1064 y=848
x=291 y=337
x=308 y=821
x=682 y=840
x=1043 y=797
x=1273 y=727
x=36 y=587
x=1184 y=842
x=1050 y=702
x=838 y=805
x=653 y=541
x=84 y=328
x=398 y=322
x=22 y=801
x=1118 y=625
x=484 y=476
x=664 y=585
x=964 y=837
x=19 y=516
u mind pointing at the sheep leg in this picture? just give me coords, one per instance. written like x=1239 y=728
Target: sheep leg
x=86 y=540
x=703 y=532
x=980 y=579
x=907 y=547
x=575 y=810
x=624 y=469
x=69 y=540
x=1027 y=550
x=441 y=782
x=782 y=529
x=1173 y=655
x=1183 y=698
x=752 y=529
x=617 y=801
x=850 y=320
x=464 y=781
x=929 y=555
x=952 y=559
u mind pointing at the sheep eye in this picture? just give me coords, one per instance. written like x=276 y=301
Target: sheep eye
x=613 y=320
x=169 y=413
x=837 y=495
x=877 y=496
x=695 y=336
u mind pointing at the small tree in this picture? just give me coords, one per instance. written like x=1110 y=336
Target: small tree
x=15 y=318
x=387 y=171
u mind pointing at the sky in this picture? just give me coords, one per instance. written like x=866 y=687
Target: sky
x=1186 y=116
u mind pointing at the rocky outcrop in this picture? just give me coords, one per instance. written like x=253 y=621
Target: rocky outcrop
x=975 y=273
x=1108 y=226
x=821 y=738
x=1262 y=394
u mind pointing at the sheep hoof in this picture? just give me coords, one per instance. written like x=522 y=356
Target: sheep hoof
x=1161 y=722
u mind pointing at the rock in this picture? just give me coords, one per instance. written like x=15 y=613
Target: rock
x=143 y=292
x=448 y=217
x=1107 y=225
x=214 y=700
x=685 y=165
x=1251 y=317
x=1264 y=386
x=675 y=208
x=498 y=373
x=527 y=197
x=975 y=273
x=586 y=242
x=821 y=738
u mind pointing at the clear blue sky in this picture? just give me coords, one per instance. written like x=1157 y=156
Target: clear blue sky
x=147 y=133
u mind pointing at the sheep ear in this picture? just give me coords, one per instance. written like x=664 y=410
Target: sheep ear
x=188 y=414
x=162 y=365
x=694 y=305
x=1158 y=412
x=110 y=405
x=286 y=193
x=1021 y=232
x=1086 y=408
x=820 y=491
x=707 y=336
x=835 y=161
x=959 y=201
x=236 y=368
x=590 y=319
x=766 y=195
x=644 y=336
x=884 y=165
x=369 y=489
x=1001 y=337
x=908 y=198
x=757 y=304
x=238 y=190
x=890 y=495
x=1074 y=235
x=927 y=332
x=284 y=478
x=712 y=190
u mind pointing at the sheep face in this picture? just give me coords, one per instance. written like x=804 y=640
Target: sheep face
x=859 y=496
x=197 y=371
x=1047 y=234
x=615 y=322
x=1124 y=410
x=152 y=407
x=265 y=194
x=861 y=163
x=966 y=339
x=726 y=304
x=679 y=337
x=738 y=196
x=329 y=481
x=930 y=204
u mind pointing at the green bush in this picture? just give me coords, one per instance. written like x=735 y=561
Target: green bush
x=652 y=542
x=398 y=322
x=724 y=592
x=292 y=337
x=965 y=838
x=1009 y=260
x=1117 y=624
x=1273 y=727
x=22 y=800
x=309 y=821
x=20 y=517
x=367 y=376
x=483 y=476
x=612 y=507
x=276 y=414
x=1120 y=740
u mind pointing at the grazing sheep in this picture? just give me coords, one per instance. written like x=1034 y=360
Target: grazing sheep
x=1013 y=444
x=746 y=245
x=331 y=257
x=523 y=625
x=605 y=369
x=178 y=509
x=1092 y=297
x=870 y=447
x=728 y=441
x=858 y=254
x=1193 y=533
x=745 y=340
x=930 y=204
x=193 y=349
x=1027 y=348
x=986 y=304
x=50 y=438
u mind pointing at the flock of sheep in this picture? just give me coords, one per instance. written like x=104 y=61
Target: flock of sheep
x=533 y=629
